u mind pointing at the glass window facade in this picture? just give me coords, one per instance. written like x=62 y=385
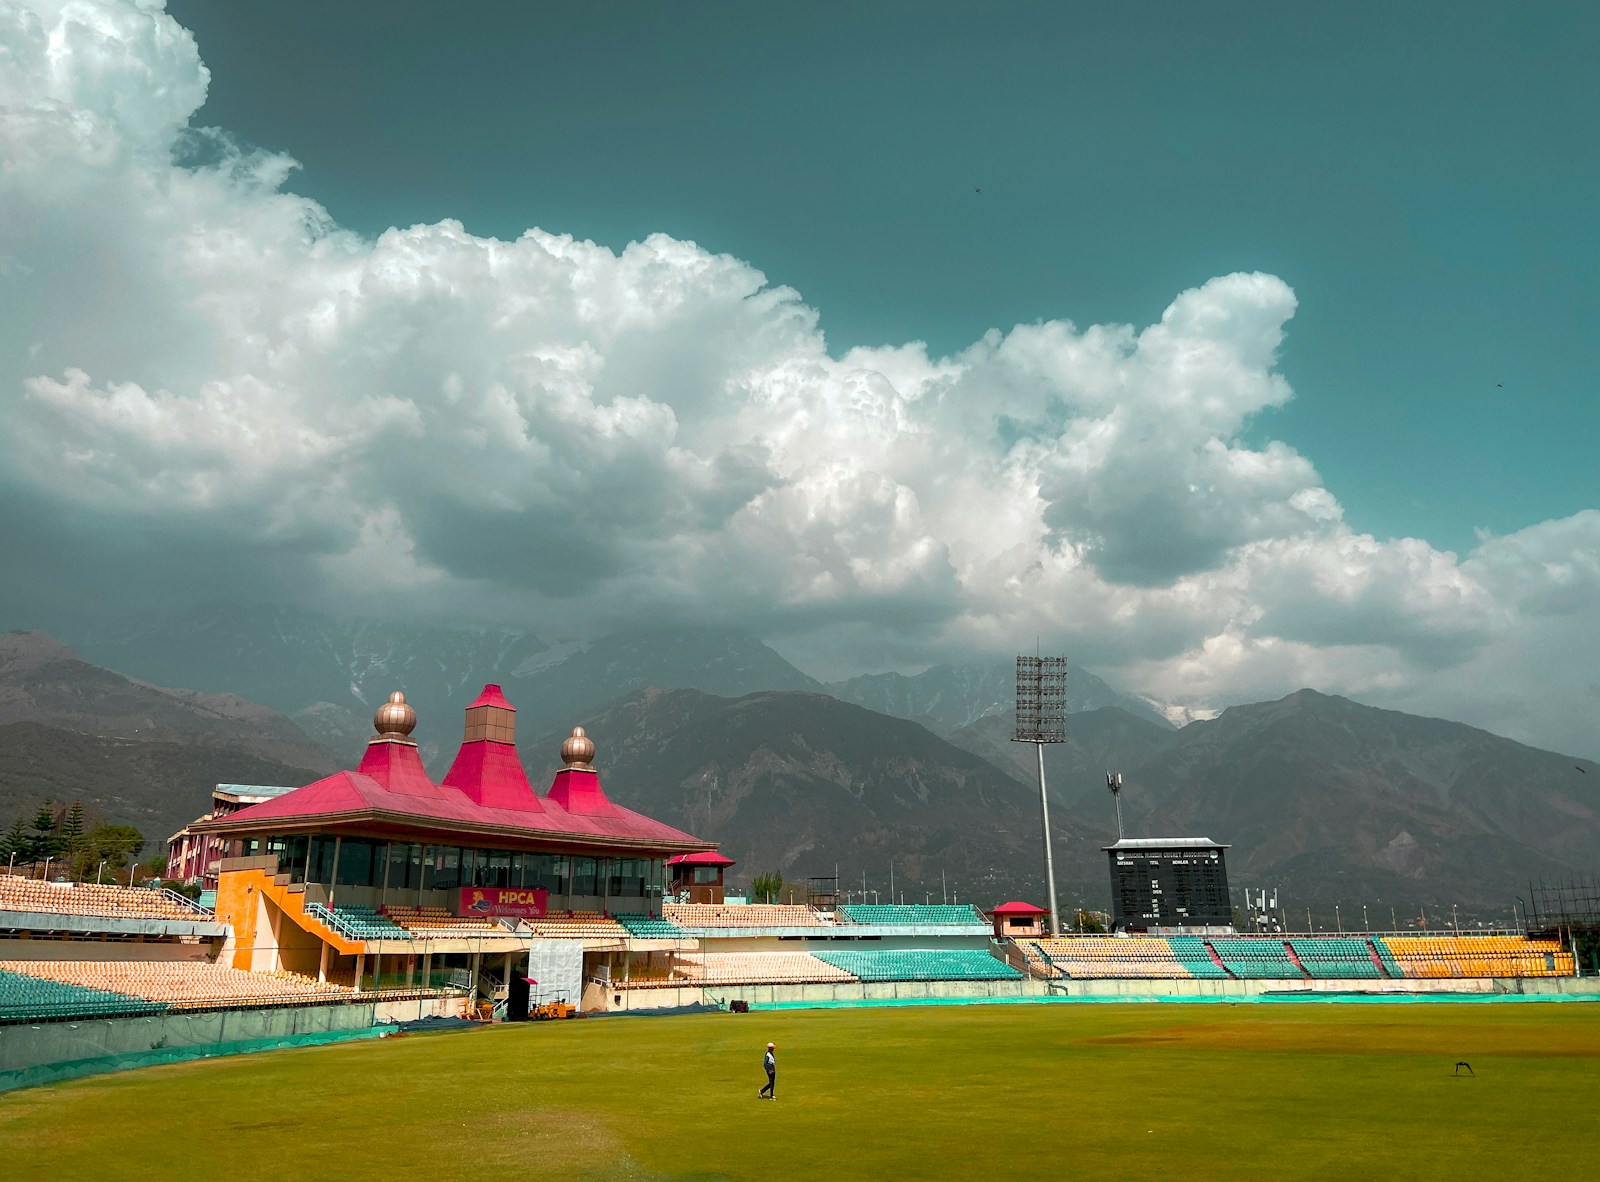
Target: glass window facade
x=394 y=870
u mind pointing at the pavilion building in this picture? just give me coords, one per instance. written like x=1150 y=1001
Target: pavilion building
x=381 y=869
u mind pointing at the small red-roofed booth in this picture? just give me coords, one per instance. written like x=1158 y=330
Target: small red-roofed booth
x=1018 y=920
x=697 y=877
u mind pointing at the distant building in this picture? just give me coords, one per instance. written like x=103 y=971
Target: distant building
x=193 y=857
x=1169 y=884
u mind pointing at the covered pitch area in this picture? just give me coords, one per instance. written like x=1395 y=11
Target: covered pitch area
x=1261 y=1091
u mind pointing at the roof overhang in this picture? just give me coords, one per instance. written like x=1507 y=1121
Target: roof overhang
x=385 y=823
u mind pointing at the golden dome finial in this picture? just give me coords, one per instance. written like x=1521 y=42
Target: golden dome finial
x=394 y=719
x=578 y=750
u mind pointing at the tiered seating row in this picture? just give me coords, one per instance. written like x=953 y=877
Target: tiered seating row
x=1336 y=958
x=760 y=968
x=1192 y=955
x=1097 y=956
x=1256 y=959
x=26 y=998
x=1477 y=956
x=175 y=985
x=649 y=927
x=922 y=965
x=1326 y=957
x=575 y=925
x=913 y=915
x=357 y=922
x=437 y=921
x=23 y=894
x=746 y=915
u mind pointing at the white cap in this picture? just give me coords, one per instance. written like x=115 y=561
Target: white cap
x=771 y=1046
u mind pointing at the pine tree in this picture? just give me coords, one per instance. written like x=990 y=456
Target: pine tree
x=72 y=829
x=43 y=842
x=16 y=843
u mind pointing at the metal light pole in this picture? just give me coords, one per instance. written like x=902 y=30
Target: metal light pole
x=1114 y=782
x=1041 y=719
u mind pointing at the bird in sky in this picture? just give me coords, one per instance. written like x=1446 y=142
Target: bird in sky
x=977 y=190
x=1584 y=770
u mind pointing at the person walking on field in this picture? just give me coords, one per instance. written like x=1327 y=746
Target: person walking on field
x=770 y=1062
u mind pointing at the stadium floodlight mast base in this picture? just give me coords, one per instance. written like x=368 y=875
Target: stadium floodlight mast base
x=1041 y=719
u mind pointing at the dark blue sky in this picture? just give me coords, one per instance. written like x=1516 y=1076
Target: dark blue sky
x=1423 y=175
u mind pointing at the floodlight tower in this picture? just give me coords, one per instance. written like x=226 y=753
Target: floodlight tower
x=1114 y=782
x=1041 y=719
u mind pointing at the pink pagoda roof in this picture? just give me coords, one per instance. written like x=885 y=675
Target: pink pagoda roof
x=492 y=696
x=485 y=792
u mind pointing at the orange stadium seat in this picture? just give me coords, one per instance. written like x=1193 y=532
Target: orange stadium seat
x=1129 y=957
x=180 y=984
x=577 y=925
x=25 y=894
x=1478 y=956
x=758 y=968
x=741 y=915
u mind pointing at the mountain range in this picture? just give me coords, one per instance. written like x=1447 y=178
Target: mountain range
x=713 y=730
x=136 y=752
x=328 y=674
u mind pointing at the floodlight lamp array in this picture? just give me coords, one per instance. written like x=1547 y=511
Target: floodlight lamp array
x=1041 y=700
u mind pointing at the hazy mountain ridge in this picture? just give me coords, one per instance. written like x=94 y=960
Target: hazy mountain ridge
x=291 y=659
x=946 y=698
x=1378 y=801
x=137 y=753
x=1319 y=795
x=801 y=782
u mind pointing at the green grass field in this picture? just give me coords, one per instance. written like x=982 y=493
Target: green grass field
x=1096 y=1091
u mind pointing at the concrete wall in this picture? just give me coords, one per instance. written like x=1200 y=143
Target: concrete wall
x=36 y=1054
x=414 y=1009
x=845 y=993
x=842 y=992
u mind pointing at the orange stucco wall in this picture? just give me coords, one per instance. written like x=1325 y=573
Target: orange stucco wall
x=270 y=927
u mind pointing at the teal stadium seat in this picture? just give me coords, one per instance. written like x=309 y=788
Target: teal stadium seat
x=1192 y=955
x=1335 y=957
x=914 y=914
x=358 y=922
x=1259 y=958
x=33 y=999
x=955 y=964
x=648 y=927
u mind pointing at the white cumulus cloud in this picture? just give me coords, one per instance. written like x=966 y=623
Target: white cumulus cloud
x=209 y=385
